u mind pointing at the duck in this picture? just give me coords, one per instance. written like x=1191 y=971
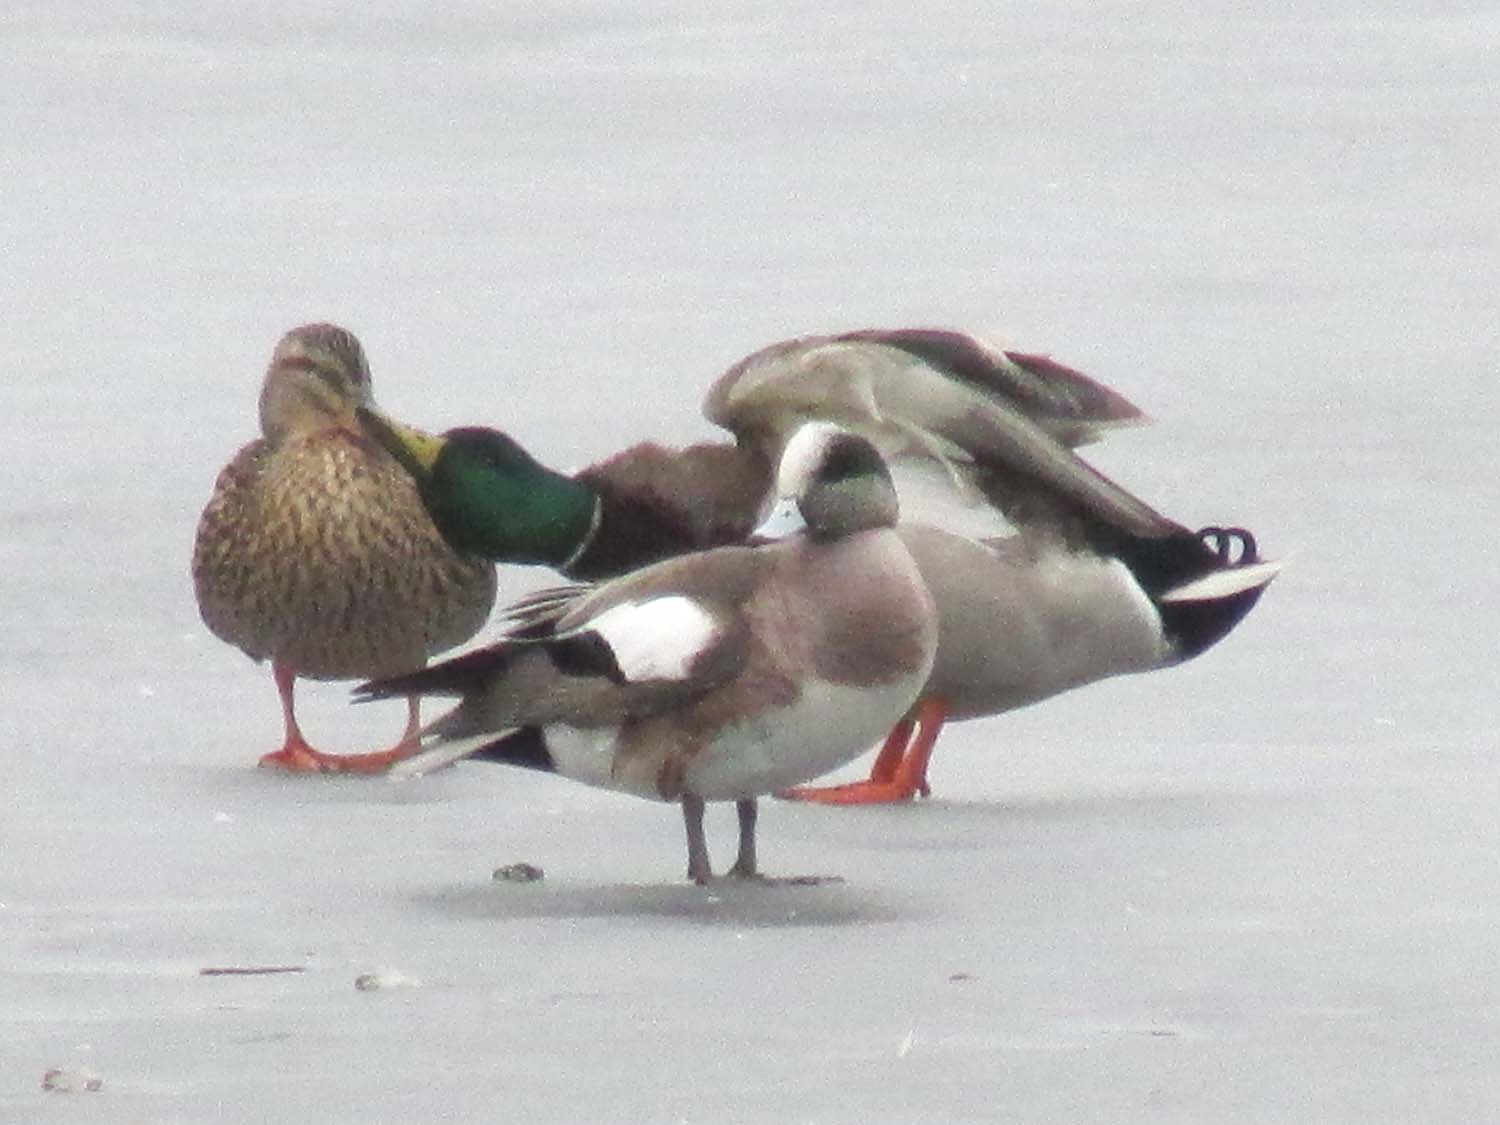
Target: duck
x=316 y=552
x=1090 y=582
x=716 y=675
x=1022 y=618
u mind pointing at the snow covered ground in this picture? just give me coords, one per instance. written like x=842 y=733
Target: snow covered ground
x=1263 y=887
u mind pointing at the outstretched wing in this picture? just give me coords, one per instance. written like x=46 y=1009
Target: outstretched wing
x=1002 y=422
x=1064 y=402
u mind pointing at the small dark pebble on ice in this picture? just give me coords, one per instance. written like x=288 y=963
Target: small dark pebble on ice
x=518 y=873
x=61 y=1081
x=383 y=980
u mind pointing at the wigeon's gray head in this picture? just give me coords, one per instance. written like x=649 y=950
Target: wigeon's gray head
x=837 y=481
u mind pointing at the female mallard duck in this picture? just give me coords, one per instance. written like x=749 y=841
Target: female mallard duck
x=315 y=549
x=719 y=675
x=1094 y=583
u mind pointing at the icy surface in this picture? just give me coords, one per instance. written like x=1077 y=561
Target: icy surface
x=1263 y=887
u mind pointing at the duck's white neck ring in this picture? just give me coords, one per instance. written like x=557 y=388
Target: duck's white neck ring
x=596 y=517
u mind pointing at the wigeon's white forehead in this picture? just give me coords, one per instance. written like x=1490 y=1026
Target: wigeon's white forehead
x=803 y=457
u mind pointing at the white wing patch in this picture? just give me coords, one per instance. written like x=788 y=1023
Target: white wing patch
x=657 y=639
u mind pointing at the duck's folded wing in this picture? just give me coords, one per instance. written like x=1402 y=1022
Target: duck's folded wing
x=666 y=641
x=625 y=660
x=1002 y=421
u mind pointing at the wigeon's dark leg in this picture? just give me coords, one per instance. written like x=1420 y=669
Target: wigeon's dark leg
x=744 y=865
x=699 y=870
x=297 y=756
x=900 y=770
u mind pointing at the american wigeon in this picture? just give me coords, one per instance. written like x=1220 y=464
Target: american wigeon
x=1095 y=583
x=315 y=550
x=714 y=676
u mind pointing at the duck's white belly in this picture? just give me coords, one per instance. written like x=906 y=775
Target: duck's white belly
x=826 y=727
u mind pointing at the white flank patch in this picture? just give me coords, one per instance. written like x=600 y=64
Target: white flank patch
x=589 y=756
x=1223 y=583
x=802 y=457
x=1129 y=609
x=930 y=495
x=655 y=640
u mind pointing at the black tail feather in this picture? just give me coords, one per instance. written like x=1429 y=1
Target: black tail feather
x=1197 y=626
x=525 y=748
x=452 y=677
x=1159 y=565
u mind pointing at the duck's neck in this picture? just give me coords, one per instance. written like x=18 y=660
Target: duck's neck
x=524 y=515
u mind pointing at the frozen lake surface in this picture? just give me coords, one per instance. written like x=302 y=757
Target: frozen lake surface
x=1262 y=887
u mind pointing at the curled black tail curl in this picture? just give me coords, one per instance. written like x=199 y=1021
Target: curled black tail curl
x=1222 y=542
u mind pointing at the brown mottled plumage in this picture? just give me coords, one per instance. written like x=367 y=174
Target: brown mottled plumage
x=315 y=550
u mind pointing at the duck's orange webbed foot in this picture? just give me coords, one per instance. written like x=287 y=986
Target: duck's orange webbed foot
x=302 y=758
x=297 y=756
x=900 y=770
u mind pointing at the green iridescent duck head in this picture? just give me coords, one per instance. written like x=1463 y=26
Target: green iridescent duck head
x=488 y=496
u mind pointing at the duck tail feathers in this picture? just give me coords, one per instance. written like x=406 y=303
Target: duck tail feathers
x=1227 y=583
x=525 y=747
x=451 y=677
x=1203 y=583
x=438 y=752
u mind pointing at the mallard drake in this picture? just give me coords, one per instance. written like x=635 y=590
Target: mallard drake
x=1026 y=617
x=916 y=393
x=718 y=675
x=1095 y=583
x=315 y=550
